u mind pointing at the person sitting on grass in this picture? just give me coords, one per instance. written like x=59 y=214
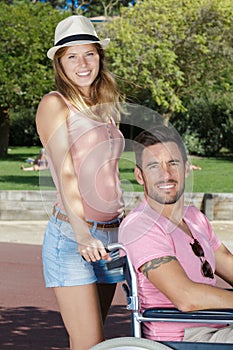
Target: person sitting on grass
x=173 y=248
x=40 y=163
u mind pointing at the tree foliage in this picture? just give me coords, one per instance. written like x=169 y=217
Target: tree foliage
x=91 y=8
x=173 y=49
x=169 y=55
x=173 y=57
x=143 y=57
x=26 y=33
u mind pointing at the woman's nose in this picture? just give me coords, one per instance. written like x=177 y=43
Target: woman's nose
x=82 y=61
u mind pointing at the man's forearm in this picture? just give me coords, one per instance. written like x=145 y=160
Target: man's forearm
x=199 y=296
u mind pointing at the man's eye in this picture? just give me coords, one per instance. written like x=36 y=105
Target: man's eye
x=153 y=166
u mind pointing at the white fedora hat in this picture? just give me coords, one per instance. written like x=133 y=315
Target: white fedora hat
x=75 y=30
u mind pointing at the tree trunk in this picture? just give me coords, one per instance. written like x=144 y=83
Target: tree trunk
x=73 y=8
x=167 y=117
x=4 y=131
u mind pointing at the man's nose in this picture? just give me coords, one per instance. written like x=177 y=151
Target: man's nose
x=165 y=170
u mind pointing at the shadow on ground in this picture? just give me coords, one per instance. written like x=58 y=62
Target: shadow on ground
x=32 y=328
x=118 y=323
x=25 y=328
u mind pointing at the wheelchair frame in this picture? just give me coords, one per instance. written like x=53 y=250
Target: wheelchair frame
x=221 y=316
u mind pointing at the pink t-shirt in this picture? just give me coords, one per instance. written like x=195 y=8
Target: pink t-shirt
x=96 y=148
x=148 y=235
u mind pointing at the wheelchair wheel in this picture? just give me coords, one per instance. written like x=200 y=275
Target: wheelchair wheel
x=129 y=343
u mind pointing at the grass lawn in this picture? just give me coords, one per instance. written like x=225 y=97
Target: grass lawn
x=216 y=174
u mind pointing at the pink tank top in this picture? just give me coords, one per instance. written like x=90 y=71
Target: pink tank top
x=96 y=148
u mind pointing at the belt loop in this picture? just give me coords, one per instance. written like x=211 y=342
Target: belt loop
x=55 y=212
x=93 y=226
x=121 y=217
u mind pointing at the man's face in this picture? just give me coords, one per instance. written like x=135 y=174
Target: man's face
x=163 y=173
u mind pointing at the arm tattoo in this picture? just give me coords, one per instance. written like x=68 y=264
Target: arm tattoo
x=155 y=264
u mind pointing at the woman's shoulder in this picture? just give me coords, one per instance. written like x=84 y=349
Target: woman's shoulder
x=53 y=101
x=52 y=105
x=53 y=97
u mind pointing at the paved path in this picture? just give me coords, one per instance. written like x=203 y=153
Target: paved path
x=32 y=232
x=29 y=315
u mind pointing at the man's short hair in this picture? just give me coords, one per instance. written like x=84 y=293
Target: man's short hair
x=155 y=135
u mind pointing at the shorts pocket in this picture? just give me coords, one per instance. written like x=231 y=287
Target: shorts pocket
x=67 y=230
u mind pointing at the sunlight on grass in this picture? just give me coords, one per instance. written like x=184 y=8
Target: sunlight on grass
x=214 y=177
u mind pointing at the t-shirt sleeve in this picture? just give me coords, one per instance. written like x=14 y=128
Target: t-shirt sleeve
x=145 y=241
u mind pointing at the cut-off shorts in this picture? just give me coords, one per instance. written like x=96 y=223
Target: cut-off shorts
x=63 y=265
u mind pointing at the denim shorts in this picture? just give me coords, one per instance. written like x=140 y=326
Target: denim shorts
x=64 y=266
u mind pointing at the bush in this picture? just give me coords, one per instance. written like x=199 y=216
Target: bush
x=207 y=126
x=23 y=128
x=193 y=144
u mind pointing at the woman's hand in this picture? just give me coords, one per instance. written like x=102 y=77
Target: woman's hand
x=92 y=249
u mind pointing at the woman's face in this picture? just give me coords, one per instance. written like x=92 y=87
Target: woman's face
x=81 y=65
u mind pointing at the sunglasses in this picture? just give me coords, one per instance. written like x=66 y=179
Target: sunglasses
x=206 y=269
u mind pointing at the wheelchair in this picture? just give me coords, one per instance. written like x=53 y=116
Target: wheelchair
x=136 y=342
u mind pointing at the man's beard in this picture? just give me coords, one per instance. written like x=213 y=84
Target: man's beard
x=165 y=199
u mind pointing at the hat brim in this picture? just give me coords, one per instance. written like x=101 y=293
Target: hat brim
x=51 y=52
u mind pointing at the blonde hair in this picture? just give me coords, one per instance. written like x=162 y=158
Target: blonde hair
x=104 y=98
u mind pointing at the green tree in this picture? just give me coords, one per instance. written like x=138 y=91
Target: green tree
x=91 y=8
x=26 y=32
x=165 y=52
x=169 y=55
x=173 y=57
x=143 y=57
x=206 y=58
x=207 y=126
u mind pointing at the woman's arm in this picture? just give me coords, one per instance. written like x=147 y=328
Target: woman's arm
x=51 y=121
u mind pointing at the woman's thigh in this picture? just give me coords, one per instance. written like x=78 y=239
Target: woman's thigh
x=81 y=314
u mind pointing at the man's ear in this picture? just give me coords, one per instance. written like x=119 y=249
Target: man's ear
x=138 y=175
x=187 y=169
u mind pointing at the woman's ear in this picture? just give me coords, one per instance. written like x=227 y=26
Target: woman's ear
x=138 y=175
x=187 y=169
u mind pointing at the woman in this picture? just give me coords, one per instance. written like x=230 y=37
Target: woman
x=77 y=126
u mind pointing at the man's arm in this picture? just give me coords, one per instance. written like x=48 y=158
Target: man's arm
x=224 y=264
x=169 y=277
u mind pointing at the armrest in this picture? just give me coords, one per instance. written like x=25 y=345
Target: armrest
x=203 y=315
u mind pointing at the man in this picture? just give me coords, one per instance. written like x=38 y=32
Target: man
x=172 y=247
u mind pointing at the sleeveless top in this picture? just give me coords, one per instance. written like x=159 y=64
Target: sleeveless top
x=95 y=148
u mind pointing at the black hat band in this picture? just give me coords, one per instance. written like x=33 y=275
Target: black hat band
x=76 y=38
